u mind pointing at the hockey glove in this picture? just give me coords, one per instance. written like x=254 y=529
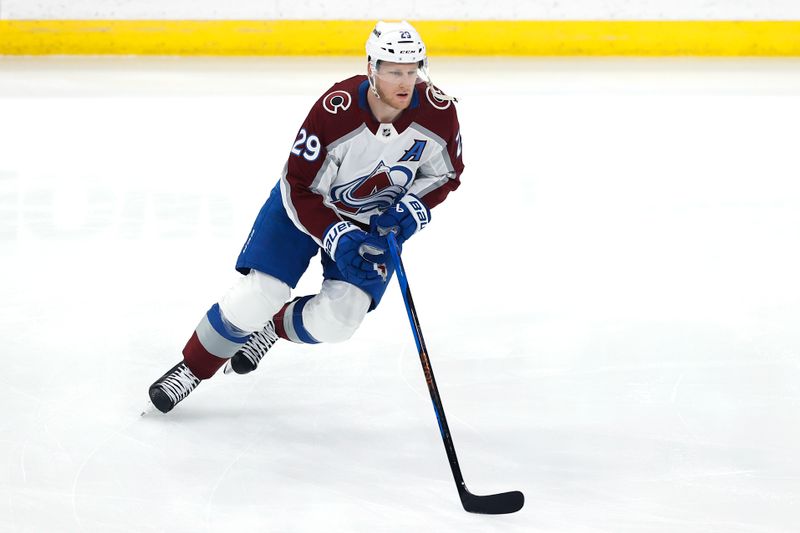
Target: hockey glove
x=404 y=218
x=359 y=256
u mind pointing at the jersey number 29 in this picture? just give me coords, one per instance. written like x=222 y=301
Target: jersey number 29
x=307 y=145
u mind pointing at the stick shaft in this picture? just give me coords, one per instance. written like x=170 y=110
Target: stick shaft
x=416 y=329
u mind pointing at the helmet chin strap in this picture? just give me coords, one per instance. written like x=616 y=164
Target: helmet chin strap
x=371 y=77
x=439 y=95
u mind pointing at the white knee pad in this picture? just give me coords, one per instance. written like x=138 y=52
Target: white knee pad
x=254 y=300
x=335 y=313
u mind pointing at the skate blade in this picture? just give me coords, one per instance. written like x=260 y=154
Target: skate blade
x=149 y=409
x=228 y=369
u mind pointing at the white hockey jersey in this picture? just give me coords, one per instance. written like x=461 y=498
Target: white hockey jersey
x=345 y=165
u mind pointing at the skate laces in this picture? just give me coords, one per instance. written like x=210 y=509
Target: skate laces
x=179 y=383
x=259 y=343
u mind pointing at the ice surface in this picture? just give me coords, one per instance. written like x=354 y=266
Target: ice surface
x=610 y=302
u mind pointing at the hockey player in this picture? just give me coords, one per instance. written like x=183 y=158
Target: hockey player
x=375 y=154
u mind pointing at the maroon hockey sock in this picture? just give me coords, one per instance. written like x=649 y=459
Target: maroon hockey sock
x=202 y=363
x=278 y=321
x=289 y=322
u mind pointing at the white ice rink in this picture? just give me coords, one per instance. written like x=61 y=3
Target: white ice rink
x=611 y=303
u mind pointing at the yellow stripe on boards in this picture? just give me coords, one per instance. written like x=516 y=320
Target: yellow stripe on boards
x=610 y=38
x=347 y=37
x=183 y=37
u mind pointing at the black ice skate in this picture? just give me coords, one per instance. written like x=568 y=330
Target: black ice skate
x=247 y=358
x=173 y=387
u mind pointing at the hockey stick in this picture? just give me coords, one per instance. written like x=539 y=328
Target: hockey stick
x=506 y=502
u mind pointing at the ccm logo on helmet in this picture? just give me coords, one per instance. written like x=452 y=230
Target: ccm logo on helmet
x=336 y=100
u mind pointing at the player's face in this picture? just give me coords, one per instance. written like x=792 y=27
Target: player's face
x=395 y=83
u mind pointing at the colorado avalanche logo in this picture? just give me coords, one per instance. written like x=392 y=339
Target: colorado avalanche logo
x=336 y=100
x=374 y=191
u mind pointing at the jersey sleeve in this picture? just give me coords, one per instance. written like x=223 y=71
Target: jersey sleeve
x=307 y=178
x=441 y=173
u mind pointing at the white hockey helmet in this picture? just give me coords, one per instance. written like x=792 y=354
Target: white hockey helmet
x=396 y=42
x=399 y=42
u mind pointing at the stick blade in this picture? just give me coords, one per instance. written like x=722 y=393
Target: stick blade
x=503 y=503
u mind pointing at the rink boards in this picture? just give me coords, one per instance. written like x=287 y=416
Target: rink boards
x=444 y=37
